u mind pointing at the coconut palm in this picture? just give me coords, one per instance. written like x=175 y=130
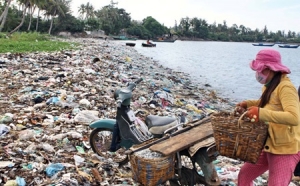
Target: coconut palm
x=57 y=7
x=90 y=11
x=31 y=9
x=86 y=11
x=82 y=10
x=25 y=4
x=41 y=4
x=4 y=14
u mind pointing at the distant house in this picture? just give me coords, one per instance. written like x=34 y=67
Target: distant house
x=65 y=34
x=96 y=34
x=93 y=34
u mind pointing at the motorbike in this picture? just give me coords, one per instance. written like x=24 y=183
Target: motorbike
x=118 y=135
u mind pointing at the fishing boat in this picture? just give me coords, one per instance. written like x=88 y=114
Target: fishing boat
x=123 y=38
x=148 y=45
x=263 y=44
x=164 y=40
x=288 y=46
x=130 y=44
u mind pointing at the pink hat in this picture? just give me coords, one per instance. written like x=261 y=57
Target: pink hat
x=268 y=58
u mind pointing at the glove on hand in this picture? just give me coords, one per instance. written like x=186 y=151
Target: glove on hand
x=242 y=104
x=241 y=107
x=253 y=114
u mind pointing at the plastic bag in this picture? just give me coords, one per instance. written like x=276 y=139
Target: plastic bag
x=26 y=134
x=53 y=169
x=164 y=95
x=75 y=135
x=47 y=147
x=86 y=116
x=141 y=126
x=20 y=181
x=11 y=183
x=78 y=160
x=7 y=118
x=3 y=129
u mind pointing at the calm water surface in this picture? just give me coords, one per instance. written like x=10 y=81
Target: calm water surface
x=223 y=65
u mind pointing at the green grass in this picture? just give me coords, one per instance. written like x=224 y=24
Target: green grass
x=32 y=42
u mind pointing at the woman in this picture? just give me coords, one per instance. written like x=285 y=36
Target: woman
x=279 y=108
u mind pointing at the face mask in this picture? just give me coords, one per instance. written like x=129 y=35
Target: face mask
x=262 y=78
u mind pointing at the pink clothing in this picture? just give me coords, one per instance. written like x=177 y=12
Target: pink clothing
x=268 y=58
x=281 y=169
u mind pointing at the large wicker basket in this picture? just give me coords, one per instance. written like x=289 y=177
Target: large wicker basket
x=152 y=171
x=238 y=139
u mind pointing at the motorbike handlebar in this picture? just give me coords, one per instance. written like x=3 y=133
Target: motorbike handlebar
x=119 y=103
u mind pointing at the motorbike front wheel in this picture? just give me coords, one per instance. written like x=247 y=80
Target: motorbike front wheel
x=100 y=141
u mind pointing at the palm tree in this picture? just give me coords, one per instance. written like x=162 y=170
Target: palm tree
x=82 y=10
x=243 y=29
x=57 y=7
x=4 y=14
x=185 y=23
x=41 y=4
x=25 y=4
x=31 y=9
x=88 y=10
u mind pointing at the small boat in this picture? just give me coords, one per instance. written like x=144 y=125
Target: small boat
x=148 y=45
x=288 y=46
x=164 y=40
x=130 y=44
x=123 y=38
x=264 y=44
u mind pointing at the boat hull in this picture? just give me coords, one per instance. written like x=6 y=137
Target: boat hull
x=167 y=41
x=130 y=44
x=264 y=44
x=288 y=46
x=148 y=45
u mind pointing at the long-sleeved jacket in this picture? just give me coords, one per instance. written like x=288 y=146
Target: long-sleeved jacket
x=282 y=114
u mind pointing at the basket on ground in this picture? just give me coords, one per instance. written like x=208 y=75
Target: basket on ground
x=238 y=139
x=152 y=171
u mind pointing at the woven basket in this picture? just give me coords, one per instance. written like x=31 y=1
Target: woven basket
x=152 y=171
x=238 y=139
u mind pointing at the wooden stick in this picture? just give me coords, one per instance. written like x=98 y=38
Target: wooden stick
x=188 y=127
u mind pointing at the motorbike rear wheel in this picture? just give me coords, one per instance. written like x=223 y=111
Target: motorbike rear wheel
x=100 y=141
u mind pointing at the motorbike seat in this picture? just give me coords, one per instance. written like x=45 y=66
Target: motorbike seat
x=157 y=125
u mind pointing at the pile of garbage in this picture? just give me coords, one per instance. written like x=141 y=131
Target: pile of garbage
x=47 y=101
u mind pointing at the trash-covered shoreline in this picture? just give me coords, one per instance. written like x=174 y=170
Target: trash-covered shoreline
x=47 y=101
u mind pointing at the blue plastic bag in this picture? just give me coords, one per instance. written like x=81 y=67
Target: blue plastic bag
x=53 y=169
x=20 y=181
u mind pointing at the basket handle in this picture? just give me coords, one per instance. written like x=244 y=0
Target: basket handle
x=236 y=151
x=240 y=121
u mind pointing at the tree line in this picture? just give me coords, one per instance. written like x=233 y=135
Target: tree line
x=54 y=16
x=199 y=29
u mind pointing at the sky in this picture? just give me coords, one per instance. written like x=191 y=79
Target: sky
x=275 y=14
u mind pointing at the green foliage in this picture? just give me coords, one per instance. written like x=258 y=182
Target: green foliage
x=113 y=20
x=203 y=32
x=154 y=27
x=212 y=36
x=32 y=36
x=259 y=37
x=33 y=46
x=222 y=37
x=2 y=35
x=139 y=30
x=68 y=23
x=92 y=24
x=32 y=42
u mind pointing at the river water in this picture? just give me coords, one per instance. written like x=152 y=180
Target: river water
x=223 y=65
